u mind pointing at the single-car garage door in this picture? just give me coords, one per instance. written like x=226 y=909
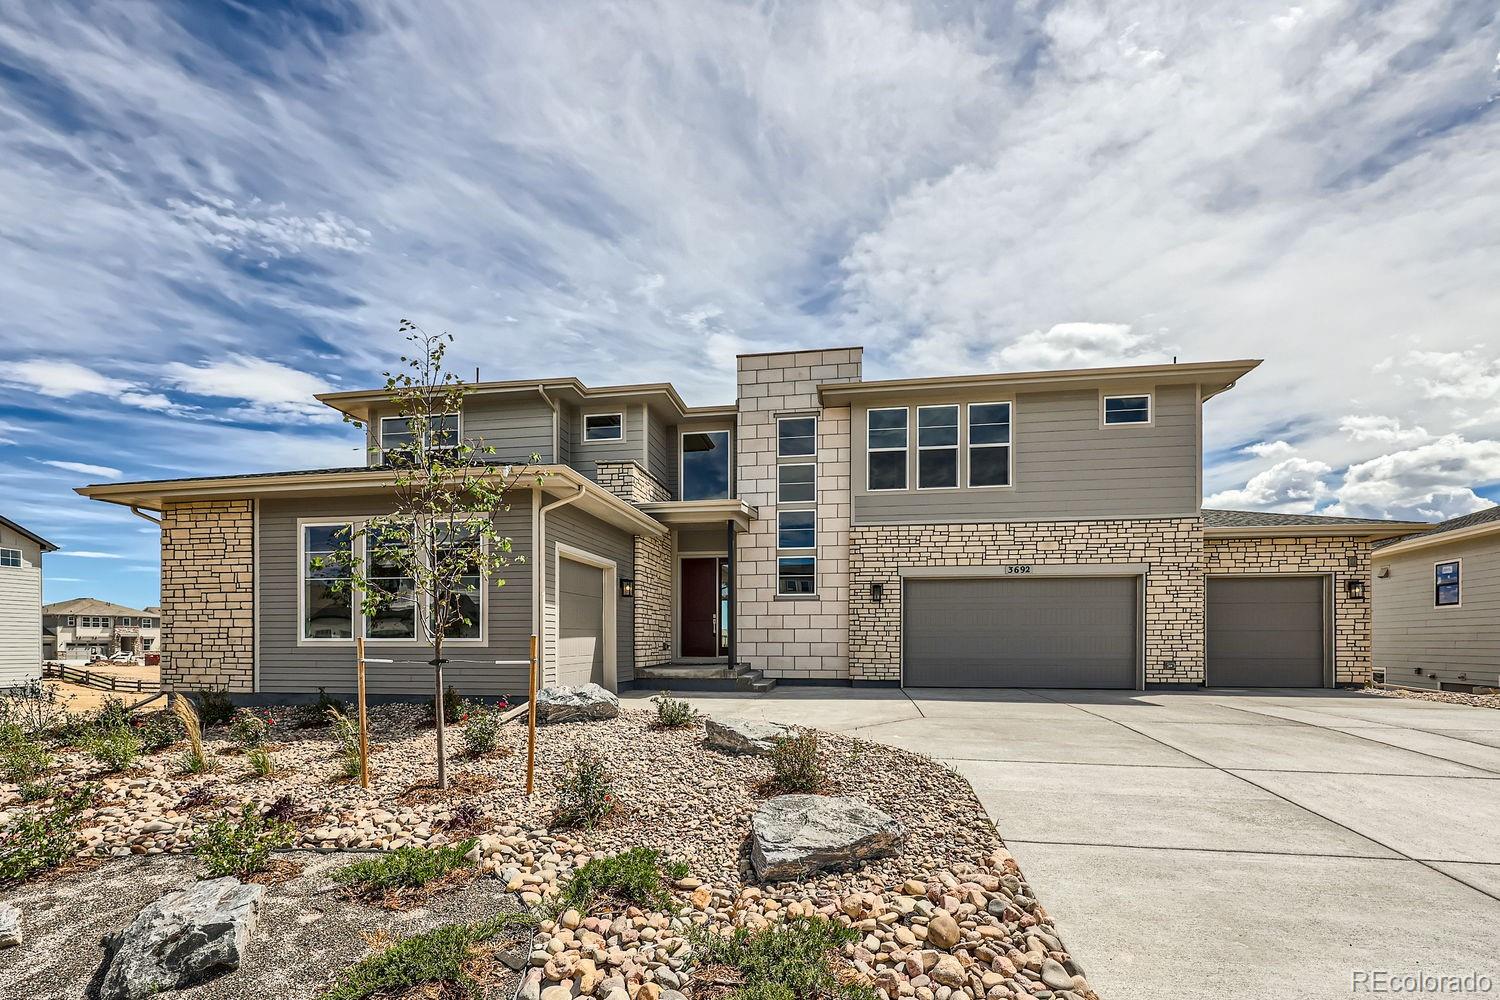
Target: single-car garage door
x=1046 y=632
x=580 y=632
x=1266 y=632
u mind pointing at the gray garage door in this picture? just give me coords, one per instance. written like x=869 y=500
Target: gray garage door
x=580 y=638
x=1266 y=632
x=1063 y=632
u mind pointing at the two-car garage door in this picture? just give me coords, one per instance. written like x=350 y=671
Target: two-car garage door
x=1043 y=632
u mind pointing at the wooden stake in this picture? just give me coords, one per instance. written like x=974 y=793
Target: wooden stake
x=531 y=721
x=364 y=727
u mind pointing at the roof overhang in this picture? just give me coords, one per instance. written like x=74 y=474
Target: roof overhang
x=552 y=480
x=1391 y=530
x=1433 y=539
x=686 y=513
x=45 y=545
x=357 y=404
x=1213 y=377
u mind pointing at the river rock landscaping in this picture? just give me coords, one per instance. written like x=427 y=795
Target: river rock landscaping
x=930 y=904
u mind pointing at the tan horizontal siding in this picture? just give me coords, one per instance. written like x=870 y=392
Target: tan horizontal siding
x=1412 y=634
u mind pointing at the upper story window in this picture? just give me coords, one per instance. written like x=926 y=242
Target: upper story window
x=604 y=427
x=796 y=529
x=705 y=465
x=127 y=621
x=148 y=623
x=71 y=621
x=398 y=435
x=1447 y=584
x=94 y=621
x=796 y=436
x=937 y=447
x=10 y=557
x=796 y=482
x=886 y=444
x=1127 y=409
x=989 y=444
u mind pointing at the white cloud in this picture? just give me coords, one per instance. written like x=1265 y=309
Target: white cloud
x=1080 y=345
x=272 y=391
x=86 y=554
x=83 y=468
x=1429 y=482
x=61 y=379
x=1384 y=430
x=1270 y=449
x=1456 y=375
x=1292 y=486
x=266 y=229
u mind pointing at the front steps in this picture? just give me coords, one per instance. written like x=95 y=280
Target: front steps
x=717 y=675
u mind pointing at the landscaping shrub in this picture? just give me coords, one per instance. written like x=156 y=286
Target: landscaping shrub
x=22 y=756
x=442 y=956
x=481 y=729
x=214 y=707
x=795 y=766
x=260 y=762
x=159 y=731
x=240 y=847
x=34 y=707
x=791 y=960
x=36 y=791
x=116 y=747
x=673 y=713
x=453 y=707
x=196 y=798
x=282 y=810
x=111 y=714
x=251 y=728
x=584 y=795
x=346 y=732
x=637 y=877
x=36 y=842
x=315 y=716
x=403 y=868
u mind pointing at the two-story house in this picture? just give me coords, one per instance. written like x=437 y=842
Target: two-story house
x=86 y=628
x=1031 y=529
x=21 y=554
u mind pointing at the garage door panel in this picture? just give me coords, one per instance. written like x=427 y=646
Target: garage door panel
x=580 y=633
x=1265 y=632
x=1037 y=632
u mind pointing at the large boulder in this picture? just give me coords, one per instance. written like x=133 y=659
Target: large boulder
x=572 y=704
x=744 y=735
x=792 y=836
x=183 y=938
x=10 y=926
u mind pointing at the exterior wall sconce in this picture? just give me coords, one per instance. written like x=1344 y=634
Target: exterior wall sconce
x=627 y=587
x=877 y=592
x=1355 y=589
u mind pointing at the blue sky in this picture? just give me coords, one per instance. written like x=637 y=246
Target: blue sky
x=208 y=212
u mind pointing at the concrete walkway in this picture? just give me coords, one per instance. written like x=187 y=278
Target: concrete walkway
x=1220 y=843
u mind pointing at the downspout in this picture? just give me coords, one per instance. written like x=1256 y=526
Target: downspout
x=144 y=516
x=541 y=590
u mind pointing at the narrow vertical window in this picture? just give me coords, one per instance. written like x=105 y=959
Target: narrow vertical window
x=385 y=556
x=886 y=444
x=1447 y=583
x=327 y=600
x=705 y=465
x=989 y=444
x=465 y=542
x=937 y=447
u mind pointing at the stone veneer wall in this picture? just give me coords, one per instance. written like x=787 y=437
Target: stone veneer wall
x=1343 y=558
x=208 y=596
x=1172 y=548
x=653 y=562
x=793 y=637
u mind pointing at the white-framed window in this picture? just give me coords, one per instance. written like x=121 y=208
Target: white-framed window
x=796 y=576
x=937 y=447
x=990 y=444
x=604 y=427
x=148 y=623
x=796 y=482
x=127 y=622
x=1447 y=583
x=885 y=448
x=327 y=612
x=399 y=434
x=1124 y=410
x=10 y=558
x=705 y=465
x=796 y=437
x=397 y=616
x=94 y=621
x=72 y=621
x=797 y=529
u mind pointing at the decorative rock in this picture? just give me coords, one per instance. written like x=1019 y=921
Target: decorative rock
x=562 y=703
x=792 y=836
x=182 y=938
x=948 y=972
x=10 y=926
x=942 y=931
x=1055 y=976
x=744 y=735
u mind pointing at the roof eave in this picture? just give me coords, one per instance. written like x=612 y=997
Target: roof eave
x=1215 y=377
x=1432 y=539
x=1392 y=530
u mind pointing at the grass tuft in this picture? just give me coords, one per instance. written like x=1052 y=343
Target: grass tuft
x=439 y=956
x=637 y=877
x=796 y=959
x=404 y=868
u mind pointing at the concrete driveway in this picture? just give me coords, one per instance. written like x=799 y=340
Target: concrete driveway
x=1220 y=843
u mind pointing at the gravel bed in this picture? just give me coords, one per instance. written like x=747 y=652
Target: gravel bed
x=1445 y=697
x=308 y=931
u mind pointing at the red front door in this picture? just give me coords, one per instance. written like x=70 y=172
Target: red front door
x=700 y=606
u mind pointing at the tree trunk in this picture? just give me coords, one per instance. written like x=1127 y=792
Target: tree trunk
x=442 y=750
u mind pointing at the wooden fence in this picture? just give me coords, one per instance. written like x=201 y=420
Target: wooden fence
x=99 y=680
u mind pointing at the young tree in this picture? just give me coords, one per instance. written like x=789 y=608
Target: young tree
x=424 y=564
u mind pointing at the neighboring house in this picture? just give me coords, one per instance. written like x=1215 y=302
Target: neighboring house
x=86 y=628
x=1037 y=529
x=20 y=603
x=1437 y=606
